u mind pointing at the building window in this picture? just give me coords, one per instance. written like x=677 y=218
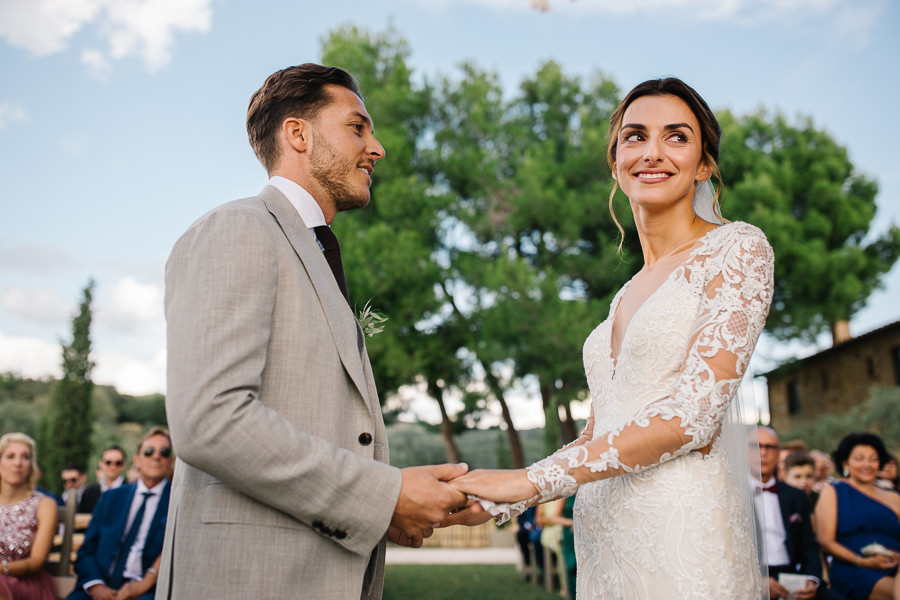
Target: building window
x=793 y=393
x=870 y=367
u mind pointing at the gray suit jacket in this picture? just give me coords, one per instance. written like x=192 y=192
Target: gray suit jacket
x=282 y=487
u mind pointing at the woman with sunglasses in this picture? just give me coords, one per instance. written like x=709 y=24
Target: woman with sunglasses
x=27 y=523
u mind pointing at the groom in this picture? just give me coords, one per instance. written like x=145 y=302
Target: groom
x=282 y=488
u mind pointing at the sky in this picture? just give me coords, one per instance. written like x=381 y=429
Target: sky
x=122 y=121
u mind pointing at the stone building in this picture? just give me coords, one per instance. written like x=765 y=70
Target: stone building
x=834 y=380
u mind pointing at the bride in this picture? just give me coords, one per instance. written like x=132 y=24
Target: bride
x=657 y=512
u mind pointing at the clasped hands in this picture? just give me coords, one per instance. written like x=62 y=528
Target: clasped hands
x=438 y=496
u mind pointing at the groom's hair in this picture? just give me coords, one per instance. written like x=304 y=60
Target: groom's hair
x=297 y=91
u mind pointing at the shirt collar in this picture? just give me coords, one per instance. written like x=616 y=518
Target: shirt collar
x=302 y=201
x=155 y=490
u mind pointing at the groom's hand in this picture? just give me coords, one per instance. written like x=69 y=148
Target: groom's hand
x=398 y=537
x=426 y=499
x=473 y=514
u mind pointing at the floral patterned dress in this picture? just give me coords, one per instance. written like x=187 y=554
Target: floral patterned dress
x=18 y=525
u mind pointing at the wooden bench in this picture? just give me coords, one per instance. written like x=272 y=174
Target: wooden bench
x=65 y=546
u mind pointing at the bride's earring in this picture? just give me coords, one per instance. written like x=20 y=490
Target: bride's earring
x=846 y=472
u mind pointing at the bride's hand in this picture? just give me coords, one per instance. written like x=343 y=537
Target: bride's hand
x=498 y=485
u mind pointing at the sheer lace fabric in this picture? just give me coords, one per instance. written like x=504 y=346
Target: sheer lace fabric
x=672 y=525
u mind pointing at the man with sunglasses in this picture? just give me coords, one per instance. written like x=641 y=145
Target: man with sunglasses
x=122 y=546
x=110 y=471
x=73 y=478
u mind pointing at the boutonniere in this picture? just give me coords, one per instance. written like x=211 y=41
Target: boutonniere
x=370 y=321
x=796 y=518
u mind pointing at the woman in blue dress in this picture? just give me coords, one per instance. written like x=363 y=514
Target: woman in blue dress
x=854 y=514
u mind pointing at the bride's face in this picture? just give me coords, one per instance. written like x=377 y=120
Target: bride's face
x=659 y=152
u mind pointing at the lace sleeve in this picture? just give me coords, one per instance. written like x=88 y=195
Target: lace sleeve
x=504 y=511
x=733 y=308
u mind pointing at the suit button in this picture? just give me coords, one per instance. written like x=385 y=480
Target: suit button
x=365 y=439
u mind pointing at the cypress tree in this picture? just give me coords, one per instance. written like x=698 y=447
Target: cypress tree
x=65 y=432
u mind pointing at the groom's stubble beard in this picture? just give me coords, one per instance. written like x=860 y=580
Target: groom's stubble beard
x=333 y=173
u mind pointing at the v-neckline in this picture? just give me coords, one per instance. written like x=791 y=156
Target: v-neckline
x=689 y=248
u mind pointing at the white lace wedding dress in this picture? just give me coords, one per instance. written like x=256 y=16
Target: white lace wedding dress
x=658 y=514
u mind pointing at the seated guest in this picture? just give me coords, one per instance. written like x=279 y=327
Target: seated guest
x=789 y=545
x=109 y=476
x=528 y=536
x=889 y=476
x=854 y=513
x=824 y=469
x=27 y=523
x=73 y=477
x=120 y=554
x=800 y=472
x=786 y=449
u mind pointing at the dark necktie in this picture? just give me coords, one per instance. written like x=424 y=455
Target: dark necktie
x=116 y=579
x=332 y=252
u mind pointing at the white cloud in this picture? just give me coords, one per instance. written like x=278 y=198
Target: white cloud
x=132 y=307
x=130 y=28
x=96 y=62
x=30 y=357
x=10 y=113
x=44 y=26
x=128 y=374
x=42 y=306
x=146 y=27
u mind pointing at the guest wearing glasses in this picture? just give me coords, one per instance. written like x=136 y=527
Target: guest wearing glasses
x=110 y=471
x=785 y=521
x=119 y=558
x=73 y=477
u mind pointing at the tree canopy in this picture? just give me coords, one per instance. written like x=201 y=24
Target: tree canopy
x=490 y=246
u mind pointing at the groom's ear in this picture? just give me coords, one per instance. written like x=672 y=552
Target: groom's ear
x=296 y=133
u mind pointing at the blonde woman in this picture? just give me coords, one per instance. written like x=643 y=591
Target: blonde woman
x=27 y=522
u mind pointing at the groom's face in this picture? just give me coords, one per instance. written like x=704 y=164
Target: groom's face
x=343 y=150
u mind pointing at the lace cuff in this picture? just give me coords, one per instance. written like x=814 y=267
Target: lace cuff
x=504 y=511
x=553 y=475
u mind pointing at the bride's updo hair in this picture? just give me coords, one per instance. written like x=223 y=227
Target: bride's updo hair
x=710 y=131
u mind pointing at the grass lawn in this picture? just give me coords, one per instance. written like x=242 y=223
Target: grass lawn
x=459 y=582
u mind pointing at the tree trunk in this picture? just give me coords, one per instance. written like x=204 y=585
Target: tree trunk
x=450 y=448
x=840 y=332
x=516 y=454
x=567 y=429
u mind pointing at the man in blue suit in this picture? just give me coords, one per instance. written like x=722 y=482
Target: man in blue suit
x=786 y=527
x=122 y=546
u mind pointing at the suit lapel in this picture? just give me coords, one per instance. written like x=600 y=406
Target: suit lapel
x=337 y=312
x=786 y=508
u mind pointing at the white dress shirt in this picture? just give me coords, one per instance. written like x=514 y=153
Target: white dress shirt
x=772 y=525
x=306 y=206
x=133 y=567
x=117 y=482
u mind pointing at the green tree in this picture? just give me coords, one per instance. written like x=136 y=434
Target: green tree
x=537 y=252
x=798 y=185
x=65 y=432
